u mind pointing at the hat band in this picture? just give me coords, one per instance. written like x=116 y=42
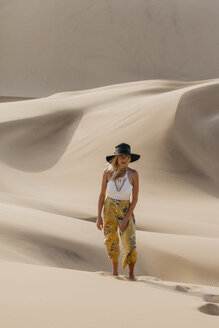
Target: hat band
x=121 y=152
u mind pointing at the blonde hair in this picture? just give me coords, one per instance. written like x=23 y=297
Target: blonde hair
x=111 y=167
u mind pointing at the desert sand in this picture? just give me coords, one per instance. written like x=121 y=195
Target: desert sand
x=54 y=268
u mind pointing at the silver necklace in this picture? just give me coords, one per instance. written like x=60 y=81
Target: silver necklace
x=120 y=182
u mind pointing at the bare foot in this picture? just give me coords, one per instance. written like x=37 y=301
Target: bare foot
x=131 y=277
x=115 y=274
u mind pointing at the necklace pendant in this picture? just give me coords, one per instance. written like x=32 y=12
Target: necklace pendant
x=119 y=187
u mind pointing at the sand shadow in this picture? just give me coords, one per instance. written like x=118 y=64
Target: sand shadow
x=36 y=144
x=37 y=247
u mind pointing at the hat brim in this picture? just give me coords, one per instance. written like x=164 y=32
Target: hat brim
x=134 y=157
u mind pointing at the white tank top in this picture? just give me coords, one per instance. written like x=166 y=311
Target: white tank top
x=122 y=184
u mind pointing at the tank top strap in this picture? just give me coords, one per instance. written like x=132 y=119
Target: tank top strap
x=128 y=177
x=114 y=173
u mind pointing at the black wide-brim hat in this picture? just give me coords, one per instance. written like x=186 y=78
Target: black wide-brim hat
x=123 y=149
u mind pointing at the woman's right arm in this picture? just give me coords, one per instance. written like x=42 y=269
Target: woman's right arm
x=101 y=200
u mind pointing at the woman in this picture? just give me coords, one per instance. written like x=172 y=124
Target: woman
x=118 y=183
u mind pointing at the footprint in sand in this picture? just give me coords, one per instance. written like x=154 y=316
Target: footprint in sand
x=103 y=273
x=119 y=277
x=106 y=274
x=187 y=288
x=184 y=289
x=211 y=298
x=147 y=278
x=123 y=277
x=209 y=308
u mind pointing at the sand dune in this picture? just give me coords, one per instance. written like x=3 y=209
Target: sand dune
x=53 y=297
x=198 y=112
x=52 y=153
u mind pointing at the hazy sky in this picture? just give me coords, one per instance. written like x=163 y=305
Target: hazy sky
x=52 y=46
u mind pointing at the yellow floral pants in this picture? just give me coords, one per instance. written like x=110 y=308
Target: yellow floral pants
x=114 y=210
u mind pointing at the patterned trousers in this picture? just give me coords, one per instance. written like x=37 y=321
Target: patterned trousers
x=114 y=210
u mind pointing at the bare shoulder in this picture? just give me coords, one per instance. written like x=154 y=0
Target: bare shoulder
x=132 y=173
x=107 y=174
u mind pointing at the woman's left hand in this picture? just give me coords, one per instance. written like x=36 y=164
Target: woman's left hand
x=123 y=225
